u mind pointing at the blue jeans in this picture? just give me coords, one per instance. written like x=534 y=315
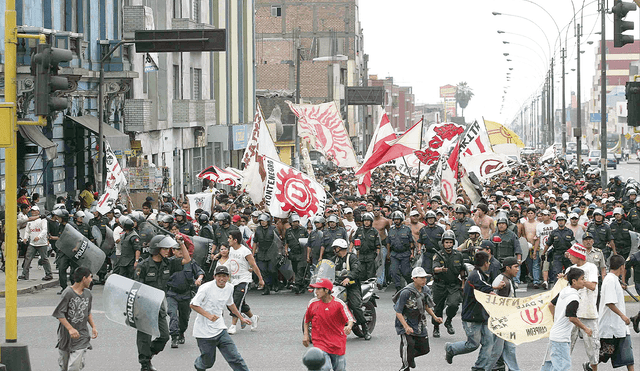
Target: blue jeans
x=384 y=259
x=477 y=334
x=334 y=362
x=533 y=265
x=560 y=357
x=226 y=346
x=508 y=352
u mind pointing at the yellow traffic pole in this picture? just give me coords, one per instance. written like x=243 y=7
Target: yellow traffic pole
x=13 y=355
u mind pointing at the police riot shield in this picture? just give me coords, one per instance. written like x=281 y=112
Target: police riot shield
x=201 y=249
x=134 y=304
x=97 y=235
x=285 y=267
x=635 y=242
x=109 y=242
x=324 y=269
x=82 y=251
x=525 y=246
x=146 y=231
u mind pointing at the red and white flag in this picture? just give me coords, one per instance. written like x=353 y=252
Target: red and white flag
x=475 y=141
x=287 y=191
x=322 y=126
x=384 y=133
x=229 y=176
x=261 y=142
x=486 y=165
x=390 y=150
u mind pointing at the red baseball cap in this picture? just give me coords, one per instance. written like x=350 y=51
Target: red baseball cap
x=236 y=218
x=324 y=283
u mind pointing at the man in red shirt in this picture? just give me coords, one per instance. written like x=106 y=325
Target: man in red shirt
x=331 y=322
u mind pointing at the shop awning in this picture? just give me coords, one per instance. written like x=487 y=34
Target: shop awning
x=117 y=139
x=34 y=134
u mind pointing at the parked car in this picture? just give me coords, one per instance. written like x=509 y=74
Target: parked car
x=594 y=157
x=528 y=150
x=611 y=160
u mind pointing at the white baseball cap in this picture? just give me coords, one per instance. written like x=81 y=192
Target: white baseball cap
x=348 y=210
x=414 y=213
x=418 y=272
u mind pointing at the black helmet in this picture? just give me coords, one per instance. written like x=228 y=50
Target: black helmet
x=137 y=216
x=127 y=223
x=161 y=242
x=367 y=216
x=167 y=219
x=431 y=214
x=264 y=217
x=397 y=215
x=180 y=212
x=319 y=219
x=448 y=235
x=203 y=219
x=332 y=218
x=502 y=219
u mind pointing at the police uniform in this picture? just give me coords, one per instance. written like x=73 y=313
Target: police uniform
x=101 y=223
x=447 y=287
x=621 y=236
x=367 y=251
x=297 y=254
x=222 y=235
x=186 y=228
x=206 y=231
x=510 y=246
x=180 y=288
x=315 y=244
x=129 y=244
x=267 y=255
x=601 y=236
x=562 y=239
x=429 y=237
x=634 y=218
x=351 y=265
x=400 y=241
x=83 y=228
x=461 y=228
x=155 y=274
x=63 y=262
x=329 y=236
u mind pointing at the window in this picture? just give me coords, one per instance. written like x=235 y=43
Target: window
x=196 y=79
x=195 y=15
x=177 y=9
x=176 y=82
x=276 y=11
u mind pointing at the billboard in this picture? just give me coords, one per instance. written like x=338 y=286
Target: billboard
x=448 y=91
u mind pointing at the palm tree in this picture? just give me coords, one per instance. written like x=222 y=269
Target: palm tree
x=463 y=95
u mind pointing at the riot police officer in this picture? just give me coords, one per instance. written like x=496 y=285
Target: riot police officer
x=562 y=239
x=367 y=243
x=347 y=275
x=156 y=271
x=469 y=247
x=603 y=239
x=180 y=289
x=100 y=221
x=430 y=236
x=315 y=249
x=615 y=186
x=266 y=252
x=62 y=260
x=80 y=225
x=184 y=226
x=222 y=231
x=634 y=216
x=447 y=287
x=332 y=233
x=166 y=222
x=206 y=230
x=401 y=244
x=629 y=204
x=296 y=252
x=460 y=226
x=507 y=241
x=130 y=249
x=620 y=230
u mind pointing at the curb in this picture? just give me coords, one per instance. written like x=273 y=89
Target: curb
x=34 y=288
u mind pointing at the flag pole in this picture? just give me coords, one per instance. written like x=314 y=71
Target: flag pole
x=420 y=162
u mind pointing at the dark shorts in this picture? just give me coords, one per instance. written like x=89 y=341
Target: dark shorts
x=622 y=351
x=239 y=295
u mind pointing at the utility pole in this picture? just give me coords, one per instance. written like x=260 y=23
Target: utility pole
x=603 y=98
x=552 y=113
x=564 y=105
x=578 y=129
x=296 y=161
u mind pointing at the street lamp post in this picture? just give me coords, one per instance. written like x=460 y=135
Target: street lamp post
x=603 y=100
x=578 y=131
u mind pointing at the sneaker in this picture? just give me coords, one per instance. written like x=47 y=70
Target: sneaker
x=586 y=366
x=181 y=339
x=22 y=277
x=536 y=286
x=174 y=343
x=48 y=277
x=450 y=329
x=242 y=324
x=254 y=322
x=545 y=285
x=60 y=292
x=448 y=356
x=232 y=330
x=436 y=332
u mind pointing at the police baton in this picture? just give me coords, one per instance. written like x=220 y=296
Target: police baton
x=624 y=287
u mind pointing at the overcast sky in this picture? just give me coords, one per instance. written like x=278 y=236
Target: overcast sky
x=426 y=44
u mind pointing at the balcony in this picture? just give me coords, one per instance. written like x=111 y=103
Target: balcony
x=138 y=116
x=191 y=113
x=188 y=24
x=134 y=18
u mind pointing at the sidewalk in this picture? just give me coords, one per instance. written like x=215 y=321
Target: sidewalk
x=35 y=282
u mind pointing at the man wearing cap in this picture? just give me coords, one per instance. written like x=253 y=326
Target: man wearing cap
x=327 y=317
x=594 y=255
x=577 y=229
x=429 y=238
x=561 y=239
x=411 y=305
x=37 y=240
x=209 y=328
x=620 y=230
x=504 y=352
x=296 y=252
x=460 y=226
x=602 y=236
x=587 y=310
x=349 y=223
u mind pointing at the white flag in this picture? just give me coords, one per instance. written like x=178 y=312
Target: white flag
x=486 y=165
x=200 y=201
x=261 y=142
x=410 y=165
x=287 y=190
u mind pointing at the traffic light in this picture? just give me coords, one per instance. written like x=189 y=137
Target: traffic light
x=44 y=66
x=620 y=10
x=632 y=93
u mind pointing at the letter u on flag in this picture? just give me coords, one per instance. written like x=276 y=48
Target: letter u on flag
x=520 y=320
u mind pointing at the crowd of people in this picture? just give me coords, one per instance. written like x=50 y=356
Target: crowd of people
x=534 y=225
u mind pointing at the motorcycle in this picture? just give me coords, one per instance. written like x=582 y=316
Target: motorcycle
x=327 y=269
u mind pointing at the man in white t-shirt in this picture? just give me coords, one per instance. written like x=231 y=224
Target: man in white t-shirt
x=209 y=328
x=587 y=311
x=349 y=223
x=543 y=230
x=613 y=321
x=240 y=262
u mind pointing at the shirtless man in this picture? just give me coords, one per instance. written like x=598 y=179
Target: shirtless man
x=415 y=224
x=533 y=260
x=578 y=230
x=382 y=225
x=484 y=221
